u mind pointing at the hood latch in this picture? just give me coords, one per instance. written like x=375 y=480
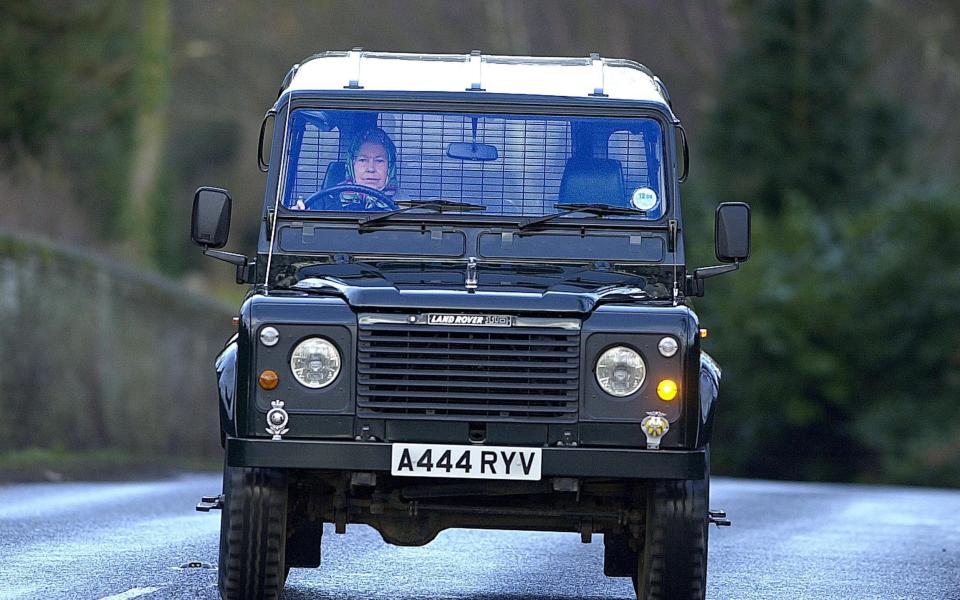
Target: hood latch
x=471 y=279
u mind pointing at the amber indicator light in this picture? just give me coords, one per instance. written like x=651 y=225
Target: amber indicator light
x=704 y=333
x=269 y=380
x=667 y=390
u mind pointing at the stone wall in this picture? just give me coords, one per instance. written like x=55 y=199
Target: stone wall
x=97 y=355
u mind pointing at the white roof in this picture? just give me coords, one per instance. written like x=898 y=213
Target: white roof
x=390 y=71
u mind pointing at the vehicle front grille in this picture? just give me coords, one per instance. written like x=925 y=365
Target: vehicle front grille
x=463 y=372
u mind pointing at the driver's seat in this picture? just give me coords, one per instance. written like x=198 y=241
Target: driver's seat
x=335 y=175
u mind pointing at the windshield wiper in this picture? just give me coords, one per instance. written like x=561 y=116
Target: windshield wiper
x=599 y=210
x=437 y=205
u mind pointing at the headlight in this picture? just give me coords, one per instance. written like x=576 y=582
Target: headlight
x=620 y=371
x=315 y=362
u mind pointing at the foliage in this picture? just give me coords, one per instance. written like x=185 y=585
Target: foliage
x=836 y=336
x=835 y=342
x=797 y=111
x=906 y=364
x=67 y=94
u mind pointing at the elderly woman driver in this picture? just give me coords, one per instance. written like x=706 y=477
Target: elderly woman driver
x=371 y=162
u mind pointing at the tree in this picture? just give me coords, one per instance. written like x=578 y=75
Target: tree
x=68 y=97
x=827 y=334
x=150 y=134
x=797 y=111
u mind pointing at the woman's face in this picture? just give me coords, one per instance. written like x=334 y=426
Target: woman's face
x=371 y=165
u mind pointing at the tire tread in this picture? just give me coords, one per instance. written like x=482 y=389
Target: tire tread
x=673 y=564
x=253 y=534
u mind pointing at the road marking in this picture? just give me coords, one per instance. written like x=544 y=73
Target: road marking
x=134 y=593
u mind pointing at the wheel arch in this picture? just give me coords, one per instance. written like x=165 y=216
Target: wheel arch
x=226 y=367
x=709 y=391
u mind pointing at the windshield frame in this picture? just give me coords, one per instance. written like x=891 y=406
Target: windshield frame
x=471 y=103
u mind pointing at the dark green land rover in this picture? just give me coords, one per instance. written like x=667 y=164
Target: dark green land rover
x=469 y=308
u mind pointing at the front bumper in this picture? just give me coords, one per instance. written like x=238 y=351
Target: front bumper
x=557 y=462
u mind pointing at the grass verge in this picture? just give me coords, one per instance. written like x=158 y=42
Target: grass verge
x=52 y=464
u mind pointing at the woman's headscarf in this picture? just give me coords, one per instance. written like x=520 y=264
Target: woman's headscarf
x=377 y=136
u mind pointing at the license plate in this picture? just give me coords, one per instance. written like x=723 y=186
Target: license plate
x=465 y=462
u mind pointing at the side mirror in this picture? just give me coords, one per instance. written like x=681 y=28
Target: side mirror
x=210 y=225
x=733 y=244
x=733 y=232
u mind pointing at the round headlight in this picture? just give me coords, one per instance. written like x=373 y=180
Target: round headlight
x=620 y=371
x=315 y=362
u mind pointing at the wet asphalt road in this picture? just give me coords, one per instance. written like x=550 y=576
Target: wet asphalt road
x=789 y=540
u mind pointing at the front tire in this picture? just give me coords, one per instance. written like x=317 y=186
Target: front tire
x=253 y=532
x=673 y=560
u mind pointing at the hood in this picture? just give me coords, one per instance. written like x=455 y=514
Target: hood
x=499 y=287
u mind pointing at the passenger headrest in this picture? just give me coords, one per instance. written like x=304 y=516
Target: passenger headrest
x=336 y=174
x=588 y=179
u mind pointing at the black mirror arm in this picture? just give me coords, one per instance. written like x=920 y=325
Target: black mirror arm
x=245 y=268
x=234 y=259
x=708 y=272
x=695 y=281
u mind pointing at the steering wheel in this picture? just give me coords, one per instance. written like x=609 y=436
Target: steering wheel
x=329 y=199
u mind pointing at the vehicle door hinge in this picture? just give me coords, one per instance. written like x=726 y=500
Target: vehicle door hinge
x=270 y=218
x=247 y=273
x=672 y=228
x=693 y=286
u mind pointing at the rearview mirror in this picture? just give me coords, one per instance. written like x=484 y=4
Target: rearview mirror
x=210 y=225
x=471 y=151
x=733 y=232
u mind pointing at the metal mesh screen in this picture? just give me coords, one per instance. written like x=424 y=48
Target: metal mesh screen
x=629 y=149
x=524 y=180
x=317 y=150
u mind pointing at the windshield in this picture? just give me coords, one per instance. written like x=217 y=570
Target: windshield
x=501 y=165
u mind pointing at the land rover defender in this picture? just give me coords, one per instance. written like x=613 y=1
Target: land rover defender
x=469 y=307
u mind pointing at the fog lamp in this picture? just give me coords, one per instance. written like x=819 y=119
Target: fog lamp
x=667 y=390
x=269 y=380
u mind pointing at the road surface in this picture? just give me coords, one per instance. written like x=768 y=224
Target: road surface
x=788 y=541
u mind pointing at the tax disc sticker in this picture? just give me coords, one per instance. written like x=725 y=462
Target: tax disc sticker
x=644 y=198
